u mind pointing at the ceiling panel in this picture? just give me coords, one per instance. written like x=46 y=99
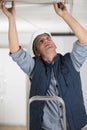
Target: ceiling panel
x=43 y=15
x=40 y=1
x=29 y=17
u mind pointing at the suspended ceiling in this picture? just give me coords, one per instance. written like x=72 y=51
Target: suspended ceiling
x=31 y=16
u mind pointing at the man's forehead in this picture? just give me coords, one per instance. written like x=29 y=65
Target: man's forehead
x=41 y=36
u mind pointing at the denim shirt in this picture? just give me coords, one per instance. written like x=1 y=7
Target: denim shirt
x=26 y=62
x=51 y=119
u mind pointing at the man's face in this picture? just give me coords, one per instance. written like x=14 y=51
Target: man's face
x=44 y=45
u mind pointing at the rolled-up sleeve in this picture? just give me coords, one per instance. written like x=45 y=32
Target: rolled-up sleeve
x=78 y=54
x=24 y=60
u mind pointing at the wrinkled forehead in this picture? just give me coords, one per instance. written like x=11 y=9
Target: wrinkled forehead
x=40 y=37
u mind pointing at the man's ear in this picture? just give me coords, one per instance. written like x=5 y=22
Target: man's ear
x=37 y=53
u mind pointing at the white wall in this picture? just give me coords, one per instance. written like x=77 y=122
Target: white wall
x=12 y=91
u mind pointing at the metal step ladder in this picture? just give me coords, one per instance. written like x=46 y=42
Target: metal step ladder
x=47 y=98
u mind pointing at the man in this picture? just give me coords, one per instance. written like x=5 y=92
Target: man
x=51 y=73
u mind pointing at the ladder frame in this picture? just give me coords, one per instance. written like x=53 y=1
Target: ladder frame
x=47 y=98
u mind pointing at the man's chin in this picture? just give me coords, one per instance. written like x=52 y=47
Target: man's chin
x=51 y=48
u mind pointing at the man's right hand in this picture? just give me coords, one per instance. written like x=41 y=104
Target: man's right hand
x=9 y=12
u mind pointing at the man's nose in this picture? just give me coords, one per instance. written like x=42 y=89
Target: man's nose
x=45 y=40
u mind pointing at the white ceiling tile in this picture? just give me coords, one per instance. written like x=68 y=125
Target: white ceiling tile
x=29 y=17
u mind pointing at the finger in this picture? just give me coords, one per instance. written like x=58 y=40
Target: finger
x=60 y=5
x=3 y=3
x=55 y=5
x=13 y=4
x=4 y=9
x=0 y=4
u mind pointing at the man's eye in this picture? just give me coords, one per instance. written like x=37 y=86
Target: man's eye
x=48 y=38
x=41 y=41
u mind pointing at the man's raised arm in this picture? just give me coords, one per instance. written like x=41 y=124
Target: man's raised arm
x=77 y=29
x=12 y=32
